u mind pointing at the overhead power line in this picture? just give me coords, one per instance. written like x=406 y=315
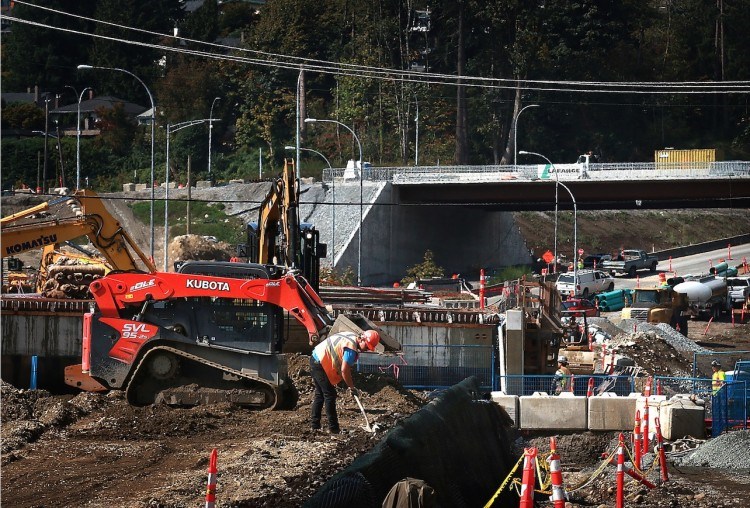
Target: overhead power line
x=274 y=60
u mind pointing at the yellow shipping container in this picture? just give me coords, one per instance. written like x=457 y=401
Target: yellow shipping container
x=672 y=156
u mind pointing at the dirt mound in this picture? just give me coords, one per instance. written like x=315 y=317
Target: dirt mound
x=266 y=458
x=195 y=247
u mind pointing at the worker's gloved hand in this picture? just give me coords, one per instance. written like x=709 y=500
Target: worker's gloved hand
x=354 y=392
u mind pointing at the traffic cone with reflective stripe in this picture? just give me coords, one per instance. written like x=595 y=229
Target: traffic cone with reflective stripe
x=647 y=389
x=590 y=389
x=529 y=479
x=637 y=441
x=621 y=473
x=558 y=491
x=644 y=432
x=662 y=453
x=211 y=488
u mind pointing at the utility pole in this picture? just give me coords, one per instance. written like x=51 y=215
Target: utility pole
x=46 y=132
x=187 y=214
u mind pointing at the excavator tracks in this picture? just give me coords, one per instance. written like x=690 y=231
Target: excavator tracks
x=171 y=376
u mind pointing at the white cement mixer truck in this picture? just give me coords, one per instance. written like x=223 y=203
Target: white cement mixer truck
x=707 y=296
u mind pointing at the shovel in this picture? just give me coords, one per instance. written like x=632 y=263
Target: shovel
x=367 y=422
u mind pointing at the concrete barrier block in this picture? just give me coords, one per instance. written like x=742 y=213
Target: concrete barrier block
x=128 y=187
x=654 y=401
x=542 y=411
x=680 y=417
x=141 y=187
x=203 y=184
x=237 y=180
x=608 y=411
x=509 y=403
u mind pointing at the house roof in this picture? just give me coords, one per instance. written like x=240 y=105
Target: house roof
x=104 y=101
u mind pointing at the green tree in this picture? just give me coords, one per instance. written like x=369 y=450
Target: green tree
x=34 y=55
x=427 y=268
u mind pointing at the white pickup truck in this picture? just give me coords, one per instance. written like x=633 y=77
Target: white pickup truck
x=738 y=291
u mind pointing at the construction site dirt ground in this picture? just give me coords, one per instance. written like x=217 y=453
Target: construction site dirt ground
x=95 y=450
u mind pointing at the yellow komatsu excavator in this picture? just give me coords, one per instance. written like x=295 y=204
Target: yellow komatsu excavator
x=81 y=214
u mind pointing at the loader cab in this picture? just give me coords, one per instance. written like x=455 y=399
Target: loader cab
x=236 y=323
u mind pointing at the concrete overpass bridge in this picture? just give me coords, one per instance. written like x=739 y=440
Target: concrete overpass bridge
x=459 y=212
x=595 y=186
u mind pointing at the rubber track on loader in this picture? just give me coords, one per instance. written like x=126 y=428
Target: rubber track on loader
x=187 y=396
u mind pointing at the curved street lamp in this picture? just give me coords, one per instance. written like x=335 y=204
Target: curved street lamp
x=170 y=129
x=361 y=200
x=333 y=206
x=78 y=139
x=575 y=218
x=515 y=132
x=153 y=122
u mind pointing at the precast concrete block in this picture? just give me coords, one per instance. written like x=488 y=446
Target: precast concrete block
x=203 y=184
x=681 y=416
x=509 y=403
x=654 y=402
x=128 y=187
x=608 y=411
x=141 y=187
x=563 y=412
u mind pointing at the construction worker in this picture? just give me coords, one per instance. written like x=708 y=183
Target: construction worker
x=718 y=378
x=330 y=363
x=562 y=375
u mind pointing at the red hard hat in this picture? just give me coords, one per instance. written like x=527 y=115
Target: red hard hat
x=372 y=338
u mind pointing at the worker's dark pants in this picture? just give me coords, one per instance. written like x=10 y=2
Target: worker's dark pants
x=324 y=391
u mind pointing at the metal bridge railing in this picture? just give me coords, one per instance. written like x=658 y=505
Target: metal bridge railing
x=565 y=172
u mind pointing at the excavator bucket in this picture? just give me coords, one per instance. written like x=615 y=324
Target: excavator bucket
x=357 y=323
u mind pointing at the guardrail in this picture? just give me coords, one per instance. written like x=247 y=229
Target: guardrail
x=497 y=173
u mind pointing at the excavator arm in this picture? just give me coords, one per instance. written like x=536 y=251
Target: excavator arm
x=280 y=207
x=92 y=219
x=116 y=292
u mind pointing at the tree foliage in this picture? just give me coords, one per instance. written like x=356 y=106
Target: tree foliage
x=506 y=40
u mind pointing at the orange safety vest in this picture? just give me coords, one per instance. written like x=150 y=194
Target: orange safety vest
x=330 y=352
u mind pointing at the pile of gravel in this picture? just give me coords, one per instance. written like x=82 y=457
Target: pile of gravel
x=728 y=451
x=665 y=332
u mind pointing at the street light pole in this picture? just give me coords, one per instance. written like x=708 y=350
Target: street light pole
x=575 y=217
x=515 y=132
x=361 y=200
x=333 y=206
x=170 y=129
x=416 y=134
x=211 y=128
x=78 y=139
x=153 y=122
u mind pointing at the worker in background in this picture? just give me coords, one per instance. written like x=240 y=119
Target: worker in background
x=718 y=378
x=562 y=375
x=330 y=363
x=580 y=263
x=575 y=330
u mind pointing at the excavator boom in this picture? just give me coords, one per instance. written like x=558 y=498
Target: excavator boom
x=91 y=219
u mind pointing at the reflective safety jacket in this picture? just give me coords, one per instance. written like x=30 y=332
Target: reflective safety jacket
x=717 y=380
x=330 y=352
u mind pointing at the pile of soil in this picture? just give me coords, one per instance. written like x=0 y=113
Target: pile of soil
x=97 y=450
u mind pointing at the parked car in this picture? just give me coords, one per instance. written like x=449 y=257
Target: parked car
x=595 y=260
x=738 y=291
x=630 y=261
x=588 y=282
x=579 y=307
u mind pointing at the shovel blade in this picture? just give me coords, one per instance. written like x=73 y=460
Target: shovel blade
x=367 y=422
